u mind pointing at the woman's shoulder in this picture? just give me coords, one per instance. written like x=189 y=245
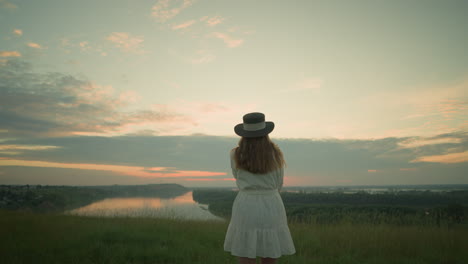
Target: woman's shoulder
x=232 y=152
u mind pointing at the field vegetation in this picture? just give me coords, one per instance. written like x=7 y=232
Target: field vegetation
x=395 y=227
x=50 y=238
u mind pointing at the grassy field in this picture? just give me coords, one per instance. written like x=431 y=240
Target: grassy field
x=55 y=238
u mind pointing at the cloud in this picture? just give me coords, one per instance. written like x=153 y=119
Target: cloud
x=309 y=162
x=212 y=21
x=412 y=148
x=417 y=141
x=79 y=43
x=161 y=172
x=446 y=158
x=18 y=149
x=18 y=32
x=53 y=104
x=447 y=109
x=10 y=54
x=7 y=5
x=164 y=10
x=126 y=42
x=228 y=40
x=27 y=147
x=437 y=109
x=201 y=56
x=184 y=25
x=211 y=118
x=34 y=45
x=84 y=45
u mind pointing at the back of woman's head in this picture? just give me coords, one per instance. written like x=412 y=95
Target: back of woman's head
x=258 y=155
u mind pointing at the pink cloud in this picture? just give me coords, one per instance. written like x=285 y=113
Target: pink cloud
x=84 y=45
x=129 y=96
x=228 y=40
x=82 y=107
x=34 y=45
x=214 y=118
x=159 y=168
x=18 y=32
x=10 y=54
x=371 y=170
x=213 y=21
x=135 y=171
x=26 y=147
x=201 y=56
x=127 y=42
x=164 y=10
x=415 y=142
x=7 y=5
x=458 y=157
x=184 y=25
x=437 y=109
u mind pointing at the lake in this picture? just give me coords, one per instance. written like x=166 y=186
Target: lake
x=180 y=207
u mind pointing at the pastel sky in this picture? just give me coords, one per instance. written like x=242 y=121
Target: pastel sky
x=137 y=91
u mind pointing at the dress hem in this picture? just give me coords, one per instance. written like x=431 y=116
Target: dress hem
x=260 y=256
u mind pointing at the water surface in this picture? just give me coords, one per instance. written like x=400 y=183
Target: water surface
x=180 y=207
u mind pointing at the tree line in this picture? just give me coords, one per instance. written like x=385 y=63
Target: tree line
x=402 y=207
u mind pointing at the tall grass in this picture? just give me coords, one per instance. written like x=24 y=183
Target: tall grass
x=55 y=238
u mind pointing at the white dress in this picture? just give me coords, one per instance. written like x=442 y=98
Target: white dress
x=258 y=226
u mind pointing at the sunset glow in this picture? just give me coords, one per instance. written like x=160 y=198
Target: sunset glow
x=126 y=170
x=132 y=92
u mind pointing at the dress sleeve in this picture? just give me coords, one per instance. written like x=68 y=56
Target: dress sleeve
x=233 y=164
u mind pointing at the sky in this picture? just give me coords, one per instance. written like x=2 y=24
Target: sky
x=137 y=91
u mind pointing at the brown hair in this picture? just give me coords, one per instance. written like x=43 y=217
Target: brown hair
x=258 y=155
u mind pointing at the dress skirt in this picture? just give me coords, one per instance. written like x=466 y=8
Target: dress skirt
x=258 y=226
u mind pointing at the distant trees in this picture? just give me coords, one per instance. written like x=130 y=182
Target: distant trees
x=402 y=208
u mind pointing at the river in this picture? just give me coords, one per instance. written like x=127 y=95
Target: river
x=180 y=207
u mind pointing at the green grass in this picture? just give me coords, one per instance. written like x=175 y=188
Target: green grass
x=55 y=238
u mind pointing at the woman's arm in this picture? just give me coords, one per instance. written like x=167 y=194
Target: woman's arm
x=280 y=181
x=233 y=164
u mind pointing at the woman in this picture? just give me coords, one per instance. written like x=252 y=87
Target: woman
x=258 y=226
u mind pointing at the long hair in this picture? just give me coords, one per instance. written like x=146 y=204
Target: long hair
x=258 y=155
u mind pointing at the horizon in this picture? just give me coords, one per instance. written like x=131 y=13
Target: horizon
x=221 y=187
x=142 y=92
